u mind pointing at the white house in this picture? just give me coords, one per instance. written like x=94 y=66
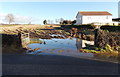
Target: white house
x=119 y=9
x=88 y=17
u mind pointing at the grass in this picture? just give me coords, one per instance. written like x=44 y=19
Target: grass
x=10 y=29
x=36 y=41
x=110 y=53
x=12 y=49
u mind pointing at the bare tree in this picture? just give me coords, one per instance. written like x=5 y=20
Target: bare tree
x=29 y=23
x=57 y=20
x=30 y=20
x=10 y=18
x=61 y=20
x=49 y=21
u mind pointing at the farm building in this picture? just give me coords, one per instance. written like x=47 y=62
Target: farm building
x=119 y=9
x=117 y=20
x=91 y=17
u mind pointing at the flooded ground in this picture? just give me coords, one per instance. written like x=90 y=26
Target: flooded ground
x=66 y=47
x=59 y=45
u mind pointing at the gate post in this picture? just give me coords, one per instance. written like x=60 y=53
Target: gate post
x=20 y=40
x=96 y=31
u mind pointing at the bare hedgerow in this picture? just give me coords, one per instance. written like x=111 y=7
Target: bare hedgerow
x=103 y=38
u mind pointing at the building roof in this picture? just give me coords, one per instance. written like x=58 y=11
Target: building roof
x=94 y=13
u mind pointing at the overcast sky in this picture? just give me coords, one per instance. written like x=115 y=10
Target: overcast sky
x=38 y=11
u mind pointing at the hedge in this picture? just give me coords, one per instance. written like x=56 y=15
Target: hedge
x=109 y=28
x=103 y=38
x=8 y=40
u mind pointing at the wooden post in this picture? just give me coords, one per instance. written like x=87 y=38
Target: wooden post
x=96 y=35
x=25 y=39
x=98 y=38
x=19 y=36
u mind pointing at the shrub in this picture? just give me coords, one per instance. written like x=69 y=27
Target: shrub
x=111 y=28
x=103 y=38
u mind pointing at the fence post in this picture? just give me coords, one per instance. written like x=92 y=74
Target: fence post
x=97 y=37
x=19 y=37
x=25 y=39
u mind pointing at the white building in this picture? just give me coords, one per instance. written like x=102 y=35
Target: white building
x=88 y=17
x=119 y=9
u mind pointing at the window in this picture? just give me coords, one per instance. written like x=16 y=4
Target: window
x=89 y=17
x=107 y=17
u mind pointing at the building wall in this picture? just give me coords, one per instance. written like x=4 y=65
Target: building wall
x=105 y=19
x=119 y=9
x=79 y=19
x=82 y=43
x=93 y=19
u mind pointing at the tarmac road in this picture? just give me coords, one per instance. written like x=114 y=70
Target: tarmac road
x=21 y=64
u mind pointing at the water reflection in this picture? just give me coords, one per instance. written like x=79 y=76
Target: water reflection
x=25 y=39
x=66 y=47
x=82 y=43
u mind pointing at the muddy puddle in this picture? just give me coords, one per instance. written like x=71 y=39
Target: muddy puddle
x=54 y=46
x=65 y=47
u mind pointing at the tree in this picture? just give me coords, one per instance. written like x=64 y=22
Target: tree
x=65 y=22
x=61 y=20
x=45 y=22
x=73 y=22
x=10 y=18
x=68 y=22
x=29 y=23
x=57 y=20
x=48 y=21
x=30 y=20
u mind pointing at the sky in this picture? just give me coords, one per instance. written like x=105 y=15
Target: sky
x=36 y=12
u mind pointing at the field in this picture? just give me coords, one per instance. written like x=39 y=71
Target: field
x=7 y=29
x=14 y=27
x=46 y=32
